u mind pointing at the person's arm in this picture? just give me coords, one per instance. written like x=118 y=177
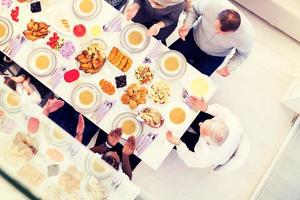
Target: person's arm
x=174 y=15
x=112 y=140
x=126 y=165
x=100 y=149
x=127 y=150
x=195 y=11
x=139 y=2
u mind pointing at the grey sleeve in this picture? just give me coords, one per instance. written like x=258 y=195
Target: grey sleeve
x=195 y=12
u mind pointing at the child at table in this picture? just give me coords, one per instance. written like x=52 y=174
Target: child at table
x=160 y=16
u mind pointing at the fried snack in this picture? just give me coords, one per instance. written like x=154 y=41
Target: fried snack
x=119 y=60
x=36 y=30
x=92 y=59
x=134 y=95
x=107 y=87
x=152 y=117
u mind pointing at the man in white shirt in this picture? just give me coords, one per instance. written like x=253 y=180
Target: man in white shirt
x=219 y=138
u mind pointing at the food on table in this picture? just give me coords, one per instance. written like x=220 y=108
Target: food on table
x=96 y=190
x=87 y=6
x=31 y=175
x=36 y=30
x=96 y=31
x=42 y=62
x=15 y=13
x=55 y=42
x=143 y=74
x=177 y=115
x=172 y=63
x=3 y=30
x=65 y=23
x=13 y=100
x=35 y=7
x=6 y=3
x=55 y=155
x=79 y=30
x=70 y=180
x=23 y=148
x=98 y=166
x=160 y=91
x=121 y=81
x=52 y=193
x=33 y=125
x=52 y=170
x=199 y=87
x=135 y=37
x=59 y=134
x=134 y=95
x=107 y=87
x=152 y=117
x=86 y=97
x=93 y=58
x=129 y=127
x=119 y=60
x=71 y=75
x=67 y=49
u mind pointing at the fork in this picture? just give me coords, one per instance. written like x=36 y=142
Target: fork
x=17 y=47
x=11 y=42
x=154 y=52
x=109 y=26
x=108 y=105
x=54 y=80
x=116 y=181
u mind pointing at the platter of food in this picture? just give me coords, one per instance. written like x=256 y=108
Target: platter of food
x=144 y=74
x=129 y=123
x=97 y=167
x=86 y=98
x=62 y=22
x=151 y=117
x=36 y=30
x=160 y=92
x=10 y=101
x=172 y=65
x=6 y=30
x=31 y=175
x=119 y=60
x=92 y=57
x=56 y=135
x=86 y=9
x=41 y=62
x=134 y=95
x=107 y=87
x=134 y=37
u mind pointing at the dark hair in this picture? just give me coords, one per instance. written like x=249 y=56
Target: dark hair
x=10 y=83
x=111 y=161
x=230 y=20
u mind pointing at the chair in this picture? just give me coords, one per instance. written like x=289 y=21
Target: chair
x=238 y=159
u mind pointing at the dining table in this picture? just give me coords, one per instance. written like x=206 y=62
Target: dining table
x=110 y=25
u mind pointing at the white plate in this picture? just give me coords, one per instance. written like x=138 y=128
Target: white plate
x=53 y=139
x=94 y=13
x=41 y=52
x=165 y=74
x=4 y=104
x=171 y=125
x=117 y=123
x=90 y=159
x=202 y=88
x=56 y=21
x=9 y=30
x=125 y=34
x=86 y=108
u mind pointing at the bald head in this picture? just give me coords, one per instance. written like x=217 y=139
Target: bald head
x=230 y=20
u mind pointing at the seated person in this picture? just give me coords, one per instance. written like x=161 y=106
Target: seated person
x=22 y=86
x=213 y=138
x=112 y=157
x=117 y=4
x=160 y=16
x=64 y=115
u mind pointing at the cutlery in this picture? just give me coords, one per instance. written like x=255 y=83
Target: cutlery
x=107 y=106
x=14 y=45
x=185 y=94
x=116 y=181
x=18 y=46
x=144 y=142
x=108 y=27
x=11 y=42
x=157 y=49
x=55 y=79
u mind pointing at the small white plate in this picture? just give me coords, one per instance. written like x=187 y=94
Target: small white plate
x=53 y=139
x=5 y=105
x=94 y=12
x=89 y=161
x=57 y=22
x=8 y=32
x=41 y=52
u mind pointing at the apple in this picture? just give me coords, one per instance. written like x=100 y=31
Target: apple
x=71 y=75
x=79 y=30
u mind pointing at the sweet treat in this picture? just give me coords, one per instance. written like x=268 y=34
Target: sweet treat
x=121 y=81
x=160 y=92
x=70 y=180
x=177 y=115
x=31 y=175
x=119 y=60
x=35 y=7
x=33 y=125
x=134 y=95
x=52 y=170
x=143 y=74
x=151 y=117
x=36 y=30
x=107 y=87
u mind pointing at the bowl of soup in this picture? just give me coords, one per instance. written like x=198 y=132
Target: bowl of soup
x=86 y=9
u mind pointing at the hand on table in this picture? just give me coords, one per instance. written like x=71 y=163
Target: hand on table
x=224 y=71
x=172 y=139
x=26 y=82
x=131 y=11
x=183 y=31
x=53 y=105
x=196 y=103
x=114 y=136
x=80 y=128
x=129 y=146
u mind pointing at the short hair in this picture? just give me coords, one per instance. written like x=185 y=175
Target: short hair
x=10 y=83
x=218 y=131
x=230 y=20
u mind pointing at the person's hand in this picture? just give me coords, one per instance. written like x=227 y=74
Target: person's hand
x=155 y=28
x=114 y=136
x=129 y=146
x=80 y=128
x=131 y=11
x=183 y=31
x=224 y=71
x=26 y=82
x=172 y=139
x=196 y=103
x=53 y=105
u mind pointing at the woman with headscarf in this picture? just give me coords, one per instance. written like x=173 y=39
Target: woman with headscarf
x=159 y=16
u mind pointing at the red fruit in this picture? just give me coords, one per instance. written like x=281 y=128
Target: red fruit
x=79 y=30
x=33 y=125
x=54 y=33
x=71 y=75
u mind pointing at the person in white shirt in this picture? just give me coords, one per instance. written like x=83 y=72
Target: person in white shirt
x=219 y=138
